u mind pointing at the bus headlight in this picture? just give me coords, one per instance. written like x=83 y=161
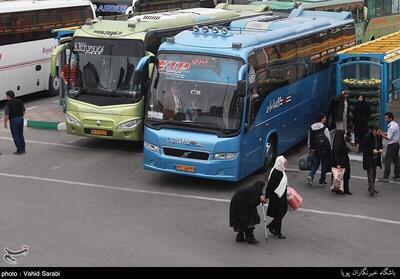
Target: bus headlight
x=72 y=120
x=129 y=125
x=225 y=156
x=151 y=147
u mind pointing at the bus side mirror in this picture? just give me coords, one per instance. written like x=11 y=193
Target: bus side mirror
x=241 y=88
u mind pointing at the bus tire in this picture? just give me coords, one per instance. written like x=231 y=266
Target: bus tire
x=269 y=154
x=54 y=86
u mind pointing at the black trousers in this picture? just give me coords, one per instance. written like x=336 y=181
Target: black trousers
x=392 y=155
x=371 y=176
x=276 y=225
x=346 y=180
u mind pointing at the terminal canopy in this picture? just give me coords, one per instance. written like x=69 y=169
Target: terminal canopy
x=372 y=69
x=387 y=47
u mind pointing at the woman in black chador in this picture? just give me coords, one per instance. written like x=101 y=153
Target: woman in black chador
x=243 y=215
x=341 y=159
x=362 y=111
x=277 y=195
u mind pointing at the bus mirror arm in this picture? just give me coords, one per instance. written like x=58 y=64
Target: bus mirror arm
x=241 y=88
x=137 y=77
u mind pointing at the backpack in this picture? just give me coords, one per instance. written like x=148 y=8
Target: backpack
x=321 y=143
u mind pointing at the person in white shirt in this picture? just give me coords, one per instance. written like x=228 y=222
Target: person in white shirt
x=392 y=151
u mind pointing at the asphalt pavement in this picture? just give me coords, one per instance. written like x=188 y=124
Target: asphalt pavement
x=86 y=202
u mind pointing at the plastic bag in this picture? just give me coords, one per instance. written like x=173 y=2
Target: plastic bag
x=294 y=199
x=337 y=183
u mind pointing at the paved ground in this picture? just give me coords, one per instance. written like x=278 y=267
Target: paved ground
x=83 y=202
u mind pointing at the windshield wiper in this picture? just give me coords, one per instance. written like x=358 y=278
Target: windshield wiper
x=213 y=126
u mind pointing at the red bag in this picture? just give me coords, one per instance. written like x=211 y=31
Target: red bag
x=294 y=199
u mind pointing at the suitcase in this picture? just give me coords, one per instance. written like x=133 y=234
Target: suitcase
x=305 y=162
x=294 y=199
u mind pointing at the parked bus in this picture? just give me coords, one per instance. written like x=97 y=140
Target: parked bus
x=119 y=7
x=26 y=40
x=101 y=98
x=224 y=103
x=373 y=18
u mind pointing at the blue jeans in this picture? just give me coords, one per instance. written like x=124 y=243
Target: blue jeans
x=317 y=160
x=17 y=132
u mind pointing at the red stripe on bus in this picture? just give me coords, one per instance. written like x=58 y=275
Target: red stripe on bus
x=23 y=64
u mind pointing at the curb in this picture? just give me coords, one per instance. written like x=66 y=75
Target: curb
x=46 y=125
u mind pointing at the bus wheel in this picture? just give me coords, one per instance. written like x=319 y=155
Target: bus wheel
x=54 y=86
x=269 y=155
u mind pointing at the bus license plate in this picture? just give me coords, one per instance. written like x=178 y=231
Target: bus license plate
x=185 y=168
x=98 y=132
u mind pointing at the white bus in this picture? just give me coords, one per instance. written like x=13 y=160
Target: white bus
x=27 y=41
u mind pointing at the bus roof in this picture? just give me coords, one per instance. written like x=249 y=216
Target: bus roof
x=221 y=11
x=7 y=6
x=138 y=26
x=306 y=4
x=245 y=35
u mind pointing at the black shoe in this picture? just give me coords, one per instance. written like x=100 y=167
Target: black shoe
x=17 y=153
x=280 y=236
x=240 y=237
x=383 y=179
x=349 y=193
x=252 y=241
x=271 y=230
x=376 y=192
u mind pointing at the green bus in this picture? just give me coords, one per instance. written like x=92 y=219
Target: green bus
x=105 y=96
x=373 y=18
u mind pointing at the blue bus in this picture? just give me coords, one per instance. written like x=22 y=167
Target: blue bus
x=224 y=102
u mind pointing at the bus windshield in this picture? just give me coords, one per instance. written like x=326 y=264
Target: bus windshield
x=198 y=91
x=104 y=68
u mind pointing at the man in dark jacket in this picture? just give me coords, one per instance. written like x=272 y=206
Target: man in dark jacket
x=341 y=110
x=372 y=151
x=14 y=112
x=243 y=215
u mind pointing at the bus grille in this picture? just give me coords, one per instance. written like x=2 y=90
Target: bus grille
x=190 y=154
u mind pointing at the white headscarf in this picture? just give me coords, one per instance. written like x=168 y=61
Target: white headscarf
x=280 y=166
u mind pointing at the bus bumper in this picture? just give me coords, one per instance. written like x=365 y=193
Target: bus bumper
x=209 y=169
x=130 y=135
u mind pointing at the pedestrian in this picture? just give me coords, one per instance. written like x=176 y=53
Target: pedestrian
x=362 y=111
x=341 y=110
x=277 y=194
x=14 y=112
x=392 y=150
x=340 y=158
x=243 y=214
x=319 y=145
x=373 y=148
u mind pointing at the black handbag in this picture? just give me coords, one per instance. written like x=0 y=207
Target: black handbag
x=305 y=162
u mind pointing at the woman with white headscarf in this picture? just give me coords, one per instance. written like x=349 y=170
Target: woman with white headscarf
x=276 y=193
